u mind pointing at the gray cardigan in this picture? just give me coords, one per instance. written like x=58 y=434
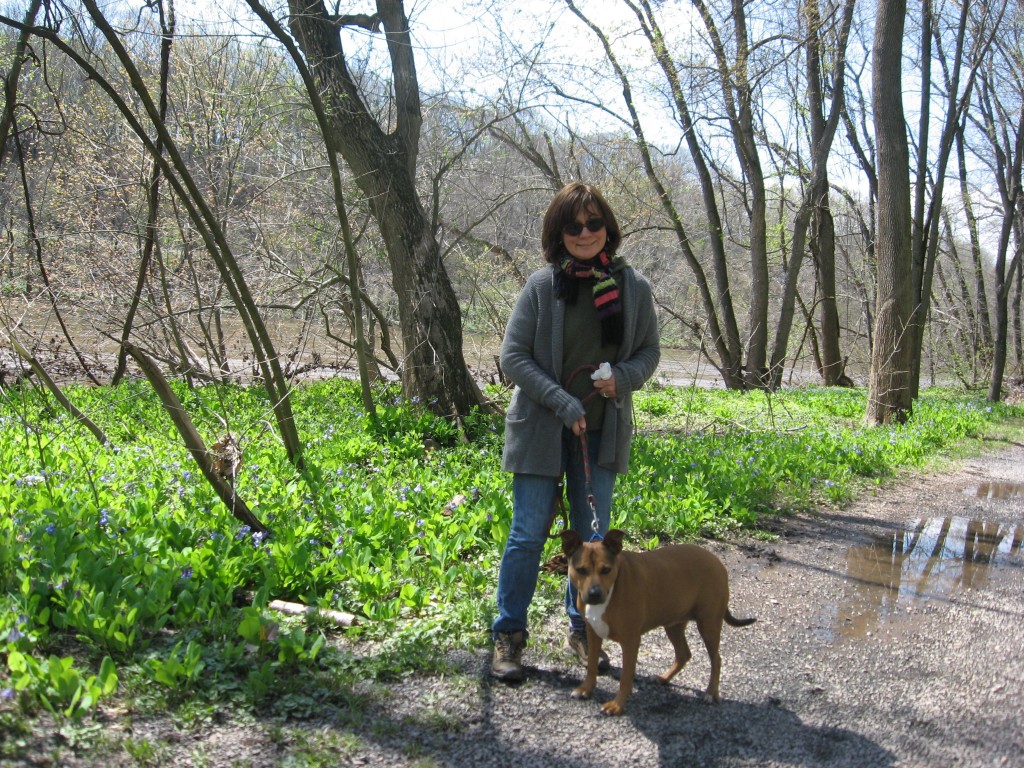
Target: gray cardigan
x=531 y=356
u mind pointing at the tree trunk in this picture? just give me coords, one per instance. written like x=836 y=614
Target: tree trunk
x=384 y=167
x=926 y=217
x=833 y=367
x=890 y=391
x=815 y=205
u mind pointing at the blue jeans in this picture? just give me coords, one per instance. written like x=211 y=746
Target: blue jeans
x=533 y=499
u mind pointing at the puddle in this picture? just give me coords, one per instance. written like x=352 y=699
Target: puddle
x=935 y=559
x=995 y=490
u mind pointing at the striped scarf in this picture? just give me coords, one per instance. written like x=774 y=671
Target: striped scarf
x=607 y=297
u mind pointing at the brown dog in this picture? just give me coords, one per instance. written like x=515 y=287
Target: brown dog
x=625 y=594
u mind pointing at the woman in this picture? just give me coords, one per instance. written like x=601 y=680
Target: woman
x=584 y=308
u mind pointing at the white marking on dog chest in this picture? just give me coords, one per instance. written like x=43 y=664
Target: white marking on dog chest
x=595 y=617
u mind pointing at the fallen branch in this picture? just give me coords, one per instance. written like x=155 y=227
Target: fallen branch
x=339 y=618
x=193 y=440
x=55 y=390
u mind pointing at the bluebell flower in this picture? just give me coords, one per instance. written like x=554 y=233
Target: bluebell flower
x=243 y=532
x=7 y=694
x=51 y=529
x=14 y=635
x=258 y=537
x=186 y=573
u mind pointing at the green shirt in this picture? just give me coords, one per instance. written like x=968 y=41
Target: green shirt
x=582 y=348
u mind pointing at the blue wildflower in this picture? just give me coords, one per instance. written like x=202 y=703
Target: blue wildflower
x=186 y=573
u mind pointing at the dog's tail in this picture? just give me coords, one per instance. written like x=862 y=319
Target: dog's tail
x=732 y=621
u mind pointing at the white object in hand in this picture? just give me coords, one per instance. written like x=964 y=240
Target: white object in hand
x=603 y=372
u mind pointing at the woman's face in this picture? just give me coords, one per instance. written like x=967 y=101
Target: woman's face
x=588 y=243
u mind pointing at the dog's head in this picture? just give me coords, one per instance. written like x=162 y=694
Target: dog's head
x=593 y=565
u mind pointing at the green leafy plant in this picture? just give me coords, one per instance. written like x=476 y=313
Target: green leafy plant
x=179 y=668
x=59 y=685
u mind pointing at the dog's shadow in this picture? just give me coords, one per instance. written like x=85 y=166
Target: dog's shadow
x=690 y=730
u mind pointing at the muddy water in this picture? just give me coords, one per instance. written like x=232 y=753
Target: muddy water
x=934 y=559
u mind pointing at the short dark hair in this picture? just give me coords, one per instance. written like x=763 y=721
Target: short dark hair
x=565 y=207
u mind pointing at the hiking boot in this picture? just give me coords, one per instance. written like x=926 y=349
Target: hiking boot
x=577 y=643
x=508 y=656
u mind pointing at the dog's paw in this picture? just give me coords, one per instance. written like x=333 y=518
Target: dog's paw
x=613 y=708
x=582 y=693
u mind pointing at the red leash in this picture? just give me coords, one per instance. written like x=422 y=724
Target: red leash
x=585 y=447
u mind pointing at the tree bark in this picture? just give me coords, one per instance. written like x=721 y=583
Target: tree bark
x=890 y=390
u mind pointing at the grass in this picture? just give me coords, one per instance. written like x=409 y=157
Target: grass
x=122 y=576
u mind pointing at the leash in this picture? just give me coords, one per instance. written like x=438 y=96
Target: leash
x=588 y=487
x=587 y=483
x=558 y=510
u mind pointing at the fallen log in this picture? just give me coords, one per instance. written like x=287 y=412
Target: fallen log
x=339 y=618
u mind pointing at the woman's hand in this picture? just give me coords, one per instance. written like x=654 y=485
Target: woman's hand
x=606 y=387
x=580 y=425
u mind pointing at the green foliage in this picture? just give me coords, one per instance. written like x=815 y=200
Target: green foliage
x=58 y=685
x=123 y=553
x=180 y=668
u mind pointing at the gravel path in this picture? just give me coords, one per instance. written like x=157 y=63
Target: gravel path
x=860 y=656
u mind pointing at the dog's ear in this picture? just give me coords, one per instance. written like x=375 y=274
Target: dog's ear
x=571 y=541
x=613 y=540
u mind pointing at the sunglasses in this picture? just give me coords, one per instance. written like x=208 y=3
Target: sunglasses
x=575 y=229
